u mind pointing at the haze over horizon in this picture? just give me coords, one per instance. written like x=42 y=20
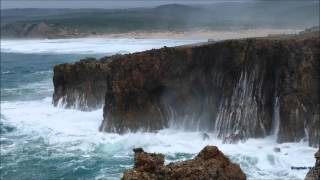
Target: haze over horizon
x=104 y=4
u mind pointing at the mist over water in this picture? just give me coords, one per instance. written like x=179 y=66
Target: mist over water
x=39 y=141
x=110 y=4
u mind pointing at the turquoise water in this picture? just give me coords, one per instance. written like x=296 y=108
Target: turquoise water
x=27 y=78
x=26 y=86
x=39 y=141
x=35 y=158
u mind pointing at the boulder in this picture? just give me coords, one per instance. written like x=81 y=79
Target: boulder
x=277 y=149
x=205 y=136
x=209 y=164
x=314 y=173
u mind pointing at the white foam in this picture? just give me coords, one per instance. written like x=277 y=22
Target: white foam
x=88 y=45
x=69 y=130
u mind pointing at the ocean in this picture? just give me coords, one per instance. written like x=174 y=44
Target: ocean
x=40 y=141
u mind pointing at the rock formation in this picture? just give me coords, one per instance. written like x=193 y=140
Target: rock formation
x=237 y=88
x=314 y=173
x=210 y=163
x=81 y=85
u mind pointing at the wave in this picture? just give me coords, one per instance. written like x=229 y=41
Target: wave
x=88 y=45
x=71 y=133
x=28 y=91
x=6 y=72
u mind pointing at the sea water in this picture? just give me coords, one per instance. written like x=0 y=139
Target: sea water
x=39 y=141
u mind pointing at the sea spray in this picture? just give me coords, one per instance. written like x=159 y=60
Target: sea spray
x=74 y=144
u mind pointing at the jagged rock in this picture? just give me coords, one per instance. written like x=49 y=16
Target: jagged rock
x=234 y=88
x=314 y=173
x=147 y=162
x=210 y=163
x=276 y=149
x=81 y=85
x=205 y=136
x=233 y=138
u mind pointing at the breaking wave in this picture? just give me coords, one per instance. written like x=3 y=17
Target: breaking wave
x=88 y=45
x=73 y=141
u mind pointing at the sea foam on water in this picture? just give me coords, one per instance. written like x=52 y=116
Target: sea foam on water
x=77 y=132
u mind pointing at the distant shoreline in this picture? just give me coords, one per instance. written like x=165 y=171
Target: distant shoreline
x=199 y=34
x=196 y=34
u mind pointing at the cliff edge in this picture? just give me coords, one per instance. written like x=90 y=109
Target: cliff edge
x=236 y=88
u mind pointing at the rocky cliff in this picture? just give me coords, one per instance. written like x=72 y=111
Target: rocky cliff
x=237 y=88
x=81 y=85
x=210 y=163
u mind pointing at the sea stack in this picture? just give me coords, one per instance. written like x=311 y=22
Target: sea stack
x=210 y=163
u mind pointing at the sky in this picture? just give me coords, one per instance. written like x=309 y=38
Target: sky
x=107 y=4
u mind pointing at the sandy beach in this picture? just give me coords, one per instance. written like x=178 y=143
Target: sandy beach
x=201 y=34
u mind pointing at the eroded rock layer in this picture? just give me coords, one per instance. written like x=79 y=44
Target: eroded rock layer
x=237 y=88
x=210 y=163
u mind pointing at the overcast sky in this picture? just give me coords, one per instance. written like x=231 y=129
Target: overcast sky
x=108 y=4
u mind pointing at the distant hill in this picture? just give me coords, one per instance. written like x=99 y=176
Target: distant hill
x=172 y=17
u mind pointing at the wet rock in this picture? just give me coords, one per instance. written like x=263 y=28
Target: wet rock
x=81 y=85
x=317 y=156
x=314 y=173
x=233 y=138
x=147 y=162
x=210 y=163
x=205 y=136
x=233 y=88
x=228 y=87
x=276 y=149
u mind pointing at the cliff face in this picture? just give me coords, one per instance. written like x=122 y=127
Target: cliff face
x=81 y=85
x=210 y=163
x=237 y=88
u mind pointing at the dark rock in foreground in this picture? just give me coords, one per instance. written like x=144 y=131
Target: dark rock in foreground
x=314 y=173
x=210 y=163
